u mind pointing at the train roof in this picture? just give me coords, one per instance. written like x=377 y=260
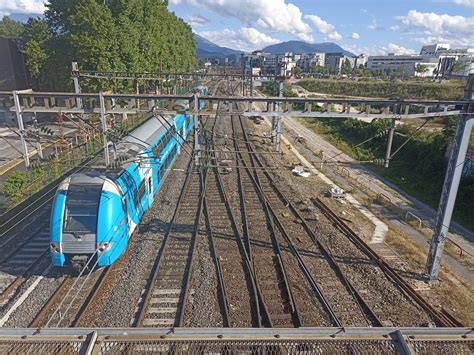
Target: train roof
x=137 y=141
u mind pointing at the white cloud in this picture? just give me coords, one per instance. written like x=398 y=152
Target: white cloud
x=379 y=49
x=272 y=15
x=398 y=50
x=466 y=3
x=395 y=28
x=245 y=39
x=432 y=27
x=254 y=37
x=8 y=7
x=321 y=25
x=374 y=25
x=355 y=35
x=335 y=36
x=197 y=20
x=438 y=24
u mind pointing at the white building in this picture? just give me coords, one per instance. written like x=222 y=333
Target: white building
x=445 y=57
x=311 y=60
x=403 y=63
x=361 y=59
x=430 y=51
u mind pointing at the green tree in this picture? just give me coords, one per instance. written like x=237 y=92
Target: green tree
x=10 y=28
x=347 y=67
x=457 y=67
x=421 y=69
x=15 y=184
x=36 y=38
x=113 y=35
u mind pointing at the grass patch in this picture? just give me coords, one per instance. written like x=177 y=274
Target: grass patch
x=453 y=294
x=418 y=169
x=387 y=89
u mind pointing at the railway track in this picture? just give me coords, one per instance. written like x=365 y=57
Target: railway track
x=19 y=264
x=340 y=299
x=70 y=301
x=164 y=298
x=233 y=264
x=367 y=306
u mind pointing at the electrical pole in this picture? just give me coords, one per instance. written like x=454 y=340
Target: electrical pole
x=77 y=85
x=39 y=148
x=280 y=106
x=103 y=121
x=19 y=118
x=197 y=130
x=396 y=115
x=451 y=182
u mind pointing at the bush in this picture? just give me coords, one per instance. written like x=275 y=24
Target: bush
x=15 y=184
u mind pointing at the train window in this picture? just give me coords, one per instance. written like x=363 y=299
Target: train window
x=139 y=193
x=82 y=203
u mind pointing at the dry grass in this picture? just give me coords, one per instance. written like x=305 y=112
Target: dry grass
x=452 y=293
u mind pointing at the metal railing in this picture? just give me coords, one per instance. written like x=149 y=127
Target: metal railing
x=242 y=340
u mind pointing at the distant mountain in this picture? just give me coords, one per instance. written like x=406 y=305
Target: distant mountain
x=299 y=47
x=207 y=49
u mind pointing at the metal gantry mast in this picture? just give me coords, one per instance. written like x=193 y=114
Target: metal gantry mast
x=451 y=182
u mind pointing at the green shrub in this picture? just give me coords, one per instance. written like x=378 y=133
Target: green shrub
x=15 y=185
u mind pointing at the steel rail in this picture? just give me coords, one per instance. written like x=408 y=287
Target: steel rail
x=275 y=245
x=157 y=263
x=20 y=279
x=41 y=316
x=189 y=268
x=361 y=303
x=244 y=254
x=387 y=269
x=220 y=279
x=316 y=288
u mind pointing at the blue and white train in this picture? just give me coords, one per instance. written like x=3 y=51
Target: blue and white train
x=94 y=215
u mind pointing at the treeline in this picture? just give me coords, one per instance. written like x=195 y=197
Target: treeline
x=112 y=35
x=386 y=89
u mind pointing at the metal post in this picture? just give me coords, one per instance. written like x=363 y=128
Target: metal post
x=451 y=183
x=77 y=85
x=104 y=129
x=251 y=83
x=39 y=148
x=391 y=134
x=280 y=109
x=19 y=118
x=197 y=130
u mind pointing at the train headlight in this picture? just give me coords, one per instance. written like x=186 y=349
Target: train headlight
x=55 y=247
x=104 y=247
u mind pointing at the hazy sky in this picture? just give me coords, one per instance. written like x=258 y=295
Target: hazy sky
x=362 y=26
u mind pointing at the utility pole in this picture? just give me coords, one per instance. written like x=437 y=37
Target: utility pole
x=39 y=148
x=19 y=118
x=250 y=93
x=77 y=85
x=197 y=130
x=451 y=182
x=280 y=107
x=396 y=115
x=103 y=121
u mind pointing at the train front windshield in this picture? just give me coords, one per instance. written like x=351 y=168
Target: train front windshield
x=82 y=204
